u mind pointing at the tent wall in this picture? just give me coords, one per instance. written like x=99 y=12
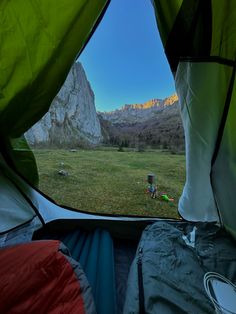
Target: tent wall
x=224 y=171
x=198 y=37
x=14 y=208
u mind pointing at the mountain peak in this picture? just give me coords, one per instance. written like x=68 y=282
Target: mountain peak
x=148 y=104
x=170 y=100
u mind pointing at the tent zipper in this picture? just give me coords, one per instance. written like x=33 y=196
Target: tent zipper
x=140 y=282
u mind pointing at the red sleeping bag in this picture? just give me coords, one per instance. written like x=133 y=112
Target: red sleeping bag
x=38 y=277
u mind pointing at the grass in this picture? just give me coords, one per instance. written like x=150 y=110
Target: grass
x=108 y=181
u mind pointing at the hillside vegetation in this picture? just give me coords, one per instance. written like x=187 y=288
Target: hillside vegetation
x=108 y=181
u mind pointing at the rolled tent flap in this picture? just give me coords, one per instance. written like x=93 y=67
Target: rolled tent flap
x=39 y=42
x=198 y=37
x=202 y=90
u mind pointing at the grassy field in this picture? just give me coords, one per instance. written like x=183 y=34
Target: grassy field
x=108 y=181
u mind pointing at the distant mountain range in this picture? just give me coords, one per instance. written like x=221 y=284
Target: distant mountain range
x=134 y=113
x=156 y=122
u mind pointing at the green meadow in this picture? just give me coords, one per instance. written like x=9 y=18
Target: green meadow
x=107 y=181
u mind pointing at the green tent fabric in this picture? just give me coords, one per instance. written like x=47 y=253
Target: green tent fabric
x=39 y=42
x=21 y=157
x=197 y=29
x=198 y=37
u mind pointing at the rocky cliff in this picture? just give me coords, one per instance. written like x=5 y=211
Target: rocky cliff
x=72 y=119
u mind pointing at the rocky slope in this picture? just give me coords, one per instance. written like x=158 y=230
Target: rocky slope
x=156 y=123
x=72 y=119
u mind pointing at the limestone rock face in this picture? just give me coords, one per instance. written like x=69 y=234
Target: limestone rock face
x=72 y=119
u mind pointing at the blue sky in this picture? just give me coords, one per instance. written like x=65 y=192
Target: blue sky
x=124 y=60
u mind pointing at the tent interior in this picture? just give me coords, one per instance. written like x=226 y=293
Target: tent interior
x=131 y=264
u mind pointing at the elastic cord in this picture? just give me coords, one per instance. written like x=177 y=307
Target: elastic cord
x=208 y=277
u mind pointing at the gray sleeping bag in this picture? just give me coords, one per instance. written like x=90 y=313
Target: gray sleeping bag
x=167 y=273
